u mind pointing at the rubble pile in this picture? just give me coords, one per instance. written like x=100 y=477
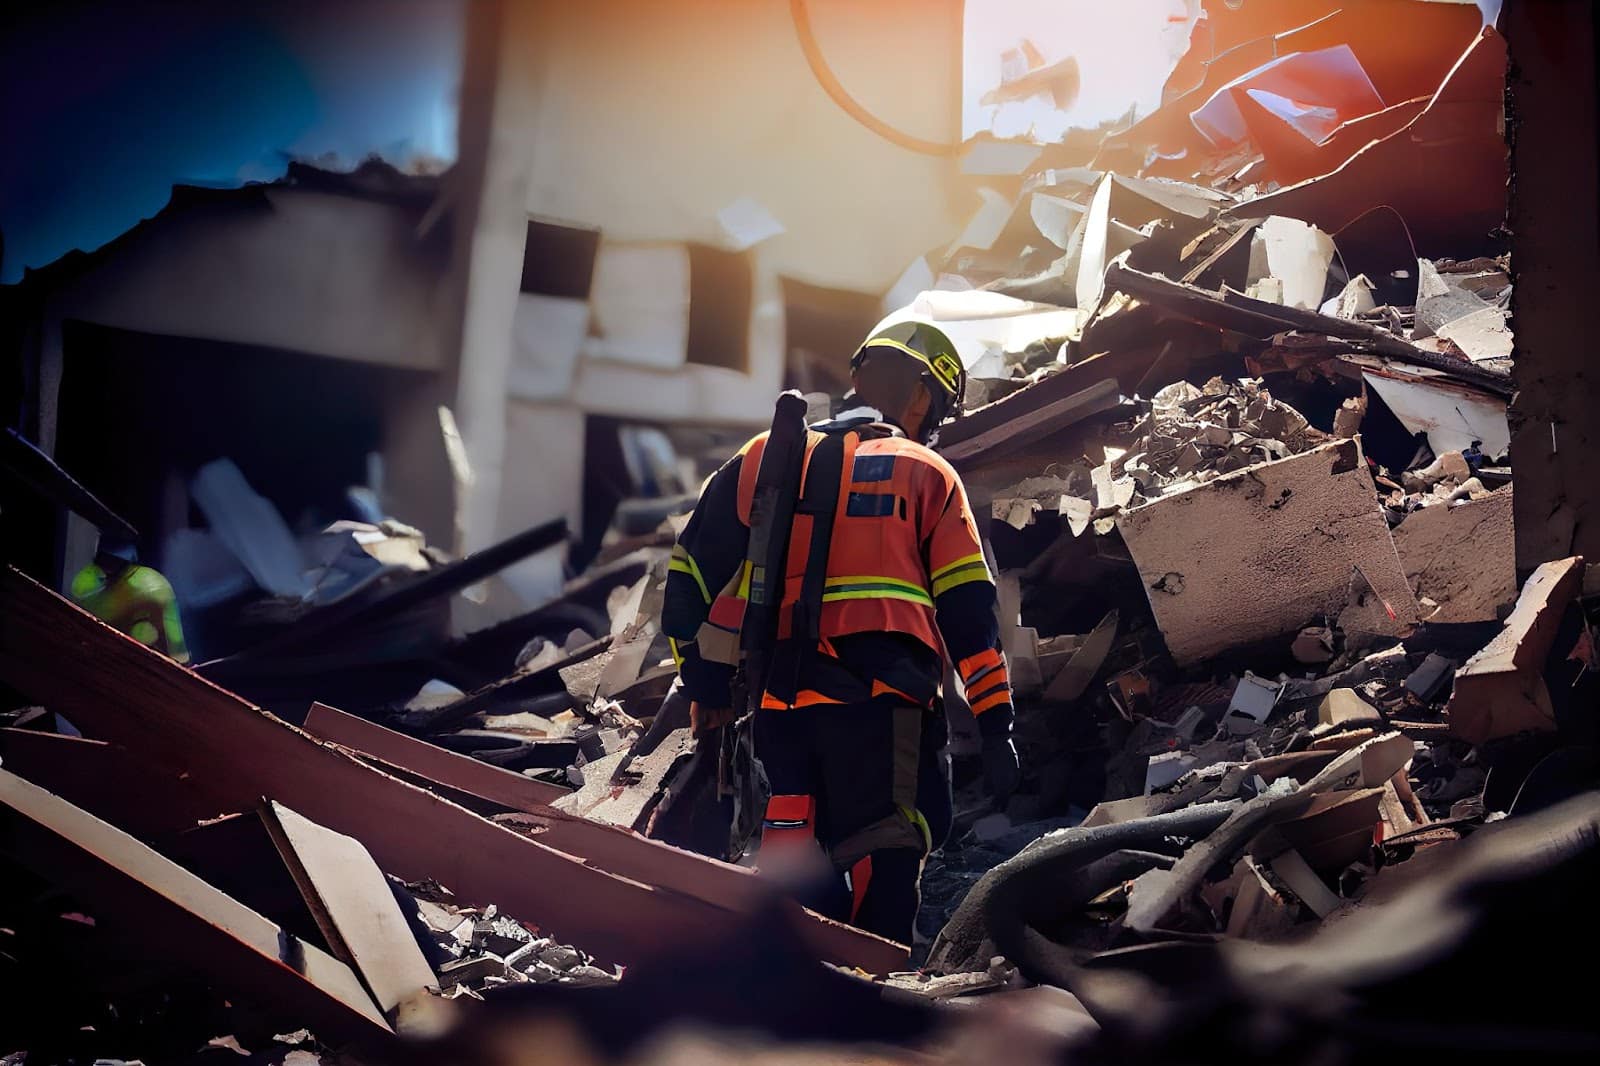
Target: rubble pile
x=1238 y=447
x=483 y=949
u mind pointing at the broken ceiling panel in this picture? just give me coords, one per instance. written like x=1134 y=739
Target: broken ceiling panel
x=1444 y=174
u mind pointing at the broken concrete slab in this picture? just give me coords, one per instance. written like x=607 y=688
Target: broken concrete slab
x=1259 y=553
x=1461 y=557
x=1297 y=254
x=1441 y=300
x=1453 y=415
x=354 y=908
x=1501 y=690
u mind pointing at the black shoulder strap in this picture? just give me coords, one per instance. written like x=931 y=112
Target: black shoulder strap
x=821 y=501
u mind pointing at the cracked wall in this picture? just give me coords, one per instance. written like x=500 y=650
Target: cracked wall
x=1462 y=558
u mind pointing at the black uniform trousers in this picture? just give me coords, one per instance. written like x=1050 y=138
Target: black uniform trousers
x=878 y=774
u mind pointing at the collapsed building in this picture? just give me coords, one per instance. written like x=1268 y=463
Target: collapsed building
x=1241 y=430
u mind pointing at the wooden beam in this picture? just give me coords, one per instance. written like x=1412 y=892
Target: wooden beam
x=431 y=761
x=23 y=460
x=180 y=917
x=1030 y=426
x=110 y=685
x=104 y=779
x=517 y=684
x=605 y=846
x=332 y=624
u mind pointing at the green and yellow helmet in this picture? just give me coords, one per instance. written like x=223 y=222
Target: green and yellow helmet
x=930 y=346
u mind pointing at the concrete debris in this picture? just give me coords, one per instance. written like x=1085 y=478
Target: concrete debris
x=1251 y=705
x=1502 y=689
x=1343 y=706
x=499 y=950
x=1236 y=439
x=1303 y=536
x=1460 y=558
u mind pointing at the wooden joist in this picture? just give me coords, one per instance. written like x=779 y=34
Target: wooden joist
x=184 y=919
x=116 y=689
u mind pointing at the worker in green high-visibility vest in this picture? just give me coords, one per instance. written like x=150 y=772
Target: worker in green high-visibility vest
x=135 y=599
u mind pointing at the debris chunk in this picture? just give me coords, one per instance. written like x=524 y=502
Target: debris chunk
x=1501 y=690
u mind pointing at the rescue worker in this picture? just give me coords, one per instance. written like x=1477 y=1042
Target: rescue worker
x=849 y=728
x=135 y=599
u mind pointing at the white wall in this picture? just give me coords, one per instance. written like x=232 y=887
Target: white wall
x=653 y=116
x=644 y=118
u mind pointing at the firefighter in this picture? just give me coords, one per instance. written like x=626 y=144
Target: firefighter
x=136 y=599
x=886 y=569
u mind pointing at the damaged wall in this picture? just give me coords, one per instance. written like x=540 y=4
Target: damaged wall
x=1555 y=243
x=1460 y=558
x=641 y=119
x=653 y=117
x=276 y=267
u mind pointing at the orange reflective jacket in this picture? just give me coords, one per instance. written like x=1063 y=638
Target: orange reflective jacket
x=904 y=556
x=902 y=534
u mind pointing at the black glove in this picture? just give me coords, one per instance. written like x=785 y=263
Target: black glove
x=1001 y=770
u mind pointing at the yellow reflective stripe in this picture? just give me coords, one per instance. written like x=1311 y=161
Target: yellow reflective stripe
x=873 y=579
x=965 y=560
x=916 y=819
x=684 y=563
x=744 y=581
x=945 y=376
x=888 y=342
x=920 y=598
x=870 y=587
x=677 y=656
x=978 y=571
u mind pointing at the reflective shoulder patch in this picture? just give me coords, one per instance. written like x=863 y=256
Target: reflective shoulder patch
x=872 y=468
x=870 y=505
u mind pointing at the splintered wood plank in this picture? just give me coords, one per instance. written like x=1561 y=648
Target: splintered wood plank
x=180 y=917
x=116 y=689
x=100 y=778
x=566 y=825
x=431 y=761
x=353 y=906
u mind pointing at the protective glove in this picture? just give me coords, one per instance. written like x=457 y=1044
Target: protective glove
x=705 y=720
x=1001 y=770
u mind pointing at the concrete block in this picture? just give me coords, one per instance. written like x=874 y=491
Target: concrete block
x=1264 y=551
x=1463 y=558
x=1501 y=690
x=1344 y=705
